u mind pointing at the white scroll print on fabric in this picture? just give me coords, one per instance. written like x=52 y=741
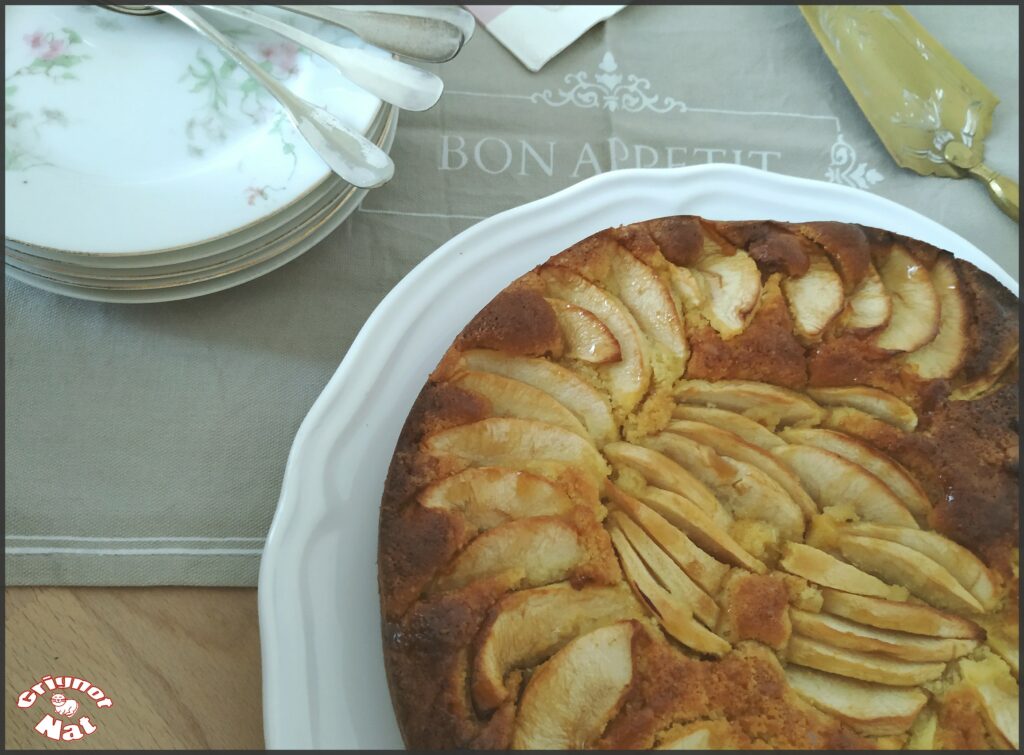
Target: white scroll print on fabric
x=610 y=89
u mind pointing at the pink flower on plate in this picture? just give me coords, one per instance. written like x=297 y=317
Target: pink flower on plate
x=282 y=56
x=35 y=41
x=54 y=49
x=255 y=192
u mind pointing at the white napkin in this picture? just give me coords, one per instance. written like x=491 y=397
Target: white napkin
x=537 y=33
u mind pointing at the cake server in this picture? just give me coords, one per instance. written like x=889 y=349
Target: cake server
x=930 y=112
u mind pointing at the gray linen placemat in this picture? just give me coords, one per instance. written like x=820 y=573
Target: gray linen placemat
x=146 y=444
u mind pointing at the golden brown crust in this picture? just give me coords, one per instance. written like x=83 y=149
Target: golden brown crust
x=766 y=351
x=746 y=687
x=516 y=321
x=962 y=454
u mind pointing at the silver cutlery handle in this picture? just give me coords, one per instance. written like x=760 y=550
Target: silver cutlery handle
x=453 y=14
x=420 y=37
x=401 y=84
x=348 y=153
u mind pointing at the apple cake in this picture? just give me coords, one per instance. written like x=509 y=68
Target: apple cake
x=693 y=484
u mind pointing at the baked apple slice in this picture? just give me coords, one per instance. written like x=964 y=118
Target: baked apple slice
x=999 y=692
x=901 y=482
x=946 y=353
x=586 y=337
x=515 y=443
x=904 y=566
x=877 y=403
x=700 y=735
x=864 y=666
x=815 y=298
x=527 y=627
x=702 y=568
x=869 y=709
x=628 y=378
x=661 y=471
x=735 y=447
x=487 y=497
x=572 y=697
x=666 y=571
x=841 y=633
x=900 y=616
x=831 y=480
x=699 y=527
x=512 y=398
x=868 y=307
x=539 y=550
x=651 y=303
x=745 y=490
x=686 y=287
x=675 y=616
x=915 y=304
x=588 y=404
x=819 y=567
x=732 y=289
x=751 y=431
x=967 y=568
x=769 y=405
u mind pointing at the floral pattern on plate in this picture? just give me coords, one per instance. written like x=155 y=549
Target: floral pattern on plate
x=177 y=148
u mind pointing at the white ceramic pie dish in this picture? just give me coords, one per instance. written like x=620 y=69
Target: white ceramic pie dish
x=323 y=674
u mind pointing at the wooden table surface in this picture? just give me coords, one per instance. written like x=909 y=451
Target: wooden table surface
x=181 y=665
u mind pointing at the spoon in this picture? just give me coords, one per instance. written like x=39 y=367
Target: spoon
x=423 y=37
x=401 y=84
x=347 y=152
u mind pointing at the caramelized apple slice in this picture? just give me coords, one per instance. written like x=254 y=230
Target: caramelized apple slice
x=747 y=429
x=686 y=287
x=586 y=337
x=698 y=736
x=904 y=566
x=513 y=443
x=661 y=471
x=815 y=298
x=999 y=692
x=487 y=497
x=575 y=394
x=870 y=709
x=915 y=304
x=511 y=398
x=528 y=626
x=770 y=405
x=864 y=666
x=698 y=565
x=831 y=480
x=746 y=491
x=572 y=697
x=877 y=463
x=945 y=354
x=732 y=288
x=967 y=568
x=873 y=401
x=828 y=571
x=541 y=549
x=679 y=586
x=650 y=302
x=705 y=532
x=676 y=617
x=900 y=616
x=841 y=633
x=869 y=306
x=732 y=445
x=628 y=378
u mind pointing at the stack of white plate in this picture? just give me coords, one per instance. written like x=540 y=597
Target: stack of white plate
x=140 y=164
